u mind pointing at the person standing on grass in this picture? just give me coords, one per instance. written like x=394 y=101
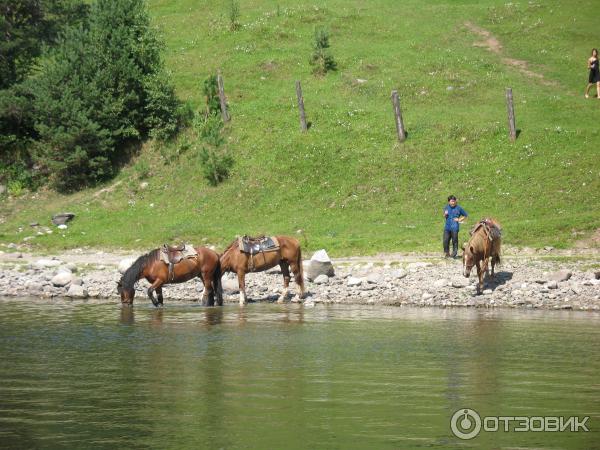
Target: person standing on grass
x=594 y=77
x=454 y=215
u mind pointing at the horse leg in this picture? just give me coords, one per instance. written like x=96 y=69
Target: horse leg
x=159 y=295
x=242 y=285
x=480 y=277
x=285 y=270
x=157 y=284
x=298 y=278
x=495 y=260
x=208 y=296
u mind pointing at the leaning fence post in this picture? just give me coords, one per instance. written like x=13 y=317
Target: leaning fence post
x=303 y=126
x=222 y=98
x=512 y=129
x=398 y=114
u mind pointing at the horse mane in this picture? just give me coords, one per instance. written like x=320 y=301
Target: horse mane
x=132 y=274
x=234 y=242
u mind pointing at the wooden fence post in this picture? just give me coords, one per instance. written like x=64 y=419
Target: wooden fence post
x=303 y=126
x=398 y=114
x=224 y=112
x=512 y=129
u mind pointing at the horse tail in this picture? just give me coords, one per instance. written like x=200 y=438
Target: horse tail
x=300 y=266
x=217 y=287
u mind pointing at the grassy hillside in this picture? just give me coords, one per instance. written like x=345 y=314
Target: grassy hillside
x=347 y=182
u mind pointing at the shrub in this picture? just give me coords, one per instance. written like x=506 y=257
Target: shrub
x=103 y=87
x=321 y=59
x=216 y=160
x=216 y=164
x=234 y=14
x=211 y=93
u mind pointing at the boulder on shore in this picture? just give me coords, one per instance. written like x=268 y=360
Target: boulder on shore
x=125 y=264
x=319 y=264
x=62 y=279
x=77 y=291
x=561 y=275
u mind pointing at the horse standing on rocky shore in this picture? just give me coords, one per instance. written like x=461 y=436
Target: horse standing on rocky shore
x=245 y=255
x=204 y=264
x=485 y=242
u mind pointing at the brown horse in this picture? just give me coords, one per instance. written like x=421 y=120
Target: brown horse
x=288 y=255
x=485 y=242
x=204 y=265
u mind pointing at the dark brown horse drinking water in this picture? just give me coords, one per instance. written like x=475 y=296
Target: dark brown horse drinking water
x=205 y=264
x=486 y=238
x=286 y=253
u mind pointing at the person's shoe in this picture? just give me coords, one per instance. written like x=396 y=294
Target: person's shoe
x=587 y=96
x=446 y=255
x=454 y=256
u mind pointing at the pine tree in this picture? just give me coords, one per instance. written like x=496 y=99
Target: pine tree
x=103 y=87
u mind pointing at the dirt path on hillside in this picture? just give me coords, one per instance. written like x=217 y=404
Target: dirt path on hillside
x=491 y=43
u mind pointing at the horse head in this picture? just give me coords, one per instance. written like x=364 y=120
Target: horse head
x=126 y=294
x=468 y=259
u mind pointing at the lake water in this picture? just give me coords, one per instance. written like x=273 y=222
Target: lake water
x=79 y=375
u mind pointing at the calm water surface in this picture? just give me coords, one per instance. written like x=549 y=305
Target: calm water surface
x=76 y=375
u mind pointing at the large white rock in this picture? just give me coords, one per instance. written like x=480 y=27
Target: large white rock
x=373 y=278
x=353 y=281
x=44 y=263
x=322 y=279
x=62 y=279
x=125 y=264
x=77 y=291
x=319 y=264
x=399 y=274
x=230 y=286
x=561 y=275
x=460 y=282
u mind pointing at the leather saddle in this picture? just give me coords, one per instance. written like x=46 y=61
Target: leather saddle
x=261 y=244
x=172 y=255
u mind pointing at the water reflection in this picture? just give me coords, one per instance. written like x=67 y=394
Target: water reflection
x=213 y=315
x=259 y=376
x=127 y=315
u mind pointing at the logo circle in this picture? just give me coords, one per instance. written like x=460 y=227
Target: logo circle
x=465 y=423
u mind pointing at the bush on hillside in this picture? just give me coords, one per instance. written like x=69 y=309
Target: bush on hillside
x=216 y=160
x=234 y=14
x=211 y=94
x=103 y=87
x=322 y=59
x=26 y=27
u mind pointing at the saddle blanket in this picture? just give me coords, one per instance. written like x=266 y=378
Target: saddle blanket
x=260 y=244
x=188 y=252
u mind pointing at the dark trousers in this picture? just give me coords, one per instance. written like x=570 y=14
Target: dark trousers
x=454 y=235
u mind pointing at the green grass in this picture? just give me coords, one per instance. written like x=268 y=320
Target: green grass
x=347 y=183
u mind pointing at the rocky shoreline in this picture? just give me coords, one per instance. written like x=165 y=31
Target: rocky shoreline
x=421 y=280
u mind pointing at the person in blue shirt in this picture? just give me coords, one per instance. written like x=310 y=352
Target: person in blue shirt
x=454 y=215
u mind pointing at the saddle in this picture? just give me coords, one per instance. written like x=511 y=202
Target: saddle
x=261 y=244
x=255 y=245
x=491 y=229
x=172 y=255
